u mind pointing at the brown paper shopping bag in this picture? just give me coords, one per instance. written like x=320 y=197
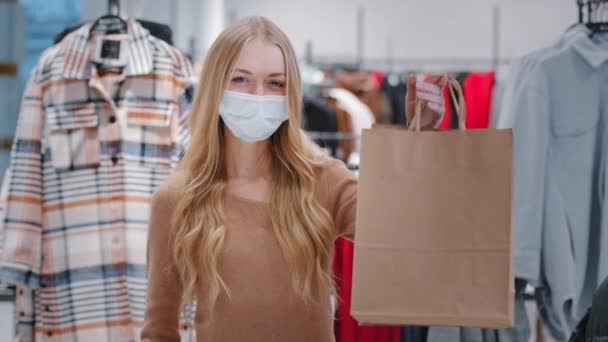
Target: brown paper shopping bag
x=433 y=233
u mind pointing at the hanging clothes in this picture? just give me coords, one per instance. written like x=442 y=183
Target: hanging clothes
x=560 y=142
x=361 y=115
x=448 y=120
x=366 y=86
x=519 y=333
x=346 y=327
x=517 y=76
x=394 y=87
x=319 y=117
x=85 y=164
x=478 y=89
x=344 y=123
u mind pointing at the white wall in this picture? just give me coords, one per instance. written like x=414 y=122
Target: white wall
x=414 y=28
x=417 y=28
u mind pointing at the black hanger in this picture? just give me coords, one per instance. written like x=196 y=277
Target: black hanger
x=110 y=23
x=598 y=27
x=592 y=6
x=160 y=31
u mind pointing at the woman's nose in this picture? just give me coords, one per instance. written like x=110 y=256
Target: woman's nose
x=259 y=89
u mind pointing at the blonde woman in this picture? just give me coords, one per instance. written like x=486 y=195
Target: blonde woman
x=246 y=226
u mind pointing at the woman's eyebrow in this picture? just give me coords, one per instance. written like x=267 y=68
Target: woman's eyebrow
x=247 y=72
x=243 y=71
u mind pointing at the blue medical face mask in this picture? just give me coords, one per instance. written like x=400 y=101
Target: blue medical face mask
x=253 y=118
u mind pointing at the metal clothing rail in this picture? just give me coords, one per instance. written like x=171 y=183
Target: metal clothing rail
x=395 y=64
x=332 y=135
x=413 y=64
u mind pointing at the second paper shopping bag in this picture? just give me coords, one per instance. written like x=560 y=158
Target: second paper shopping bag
x=433 y=234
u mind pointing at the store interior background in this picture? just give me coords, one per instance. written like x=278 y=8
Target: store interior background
x=397 y=34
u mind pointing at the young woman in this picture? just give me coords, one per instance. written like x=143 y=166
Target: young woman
x=246 y=226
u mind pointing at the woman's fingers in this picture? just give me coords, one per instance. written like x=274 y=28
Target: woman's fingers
x=428 y=87
x=432 y=98
x=437 y=108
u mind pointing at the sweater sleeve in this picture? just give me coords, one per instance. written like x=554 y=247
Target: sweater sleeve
x=164 y=289
x=341 y=186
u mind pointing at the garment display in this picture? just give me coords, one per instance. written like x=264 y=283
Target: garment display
x=394 y=87
x=560 y=164
x=85 y=162
x=448 y=120
x=519 y=69
x=345 y=125
x=478 y=89
x=366 y=86
x=346 y=327
x=362 y=117
x=519 y=333
x=263 y=305
x=319 y=117
x=106 y=92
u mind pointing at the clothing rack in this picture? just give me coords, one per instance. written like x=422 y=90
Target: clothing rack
x=390 y=65
x=332 y=135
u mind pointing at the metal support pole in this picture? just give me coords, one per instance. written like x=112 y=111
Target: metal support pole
x=360 y=35
x=495 y=36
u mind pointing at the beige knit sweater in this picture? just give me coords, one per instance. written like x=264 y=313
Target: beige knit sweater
x=263 y=306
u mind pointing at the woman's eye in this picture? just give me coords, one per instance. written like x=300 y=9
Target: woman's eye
x=277 y=84
x=239 y=79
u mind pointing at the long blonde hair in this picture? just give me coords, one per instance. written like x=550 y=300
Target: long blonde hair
x=302 y=226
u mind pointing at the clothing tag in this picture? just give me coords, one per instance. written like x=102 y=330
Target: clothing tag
x=111 y=50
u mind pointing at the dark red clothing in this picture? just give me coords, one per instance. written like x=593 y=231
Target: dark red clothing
x=346 y=327
x=446 y=123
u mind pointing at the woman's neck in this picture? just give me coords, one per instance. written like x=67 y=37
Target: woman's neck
x=247 y=161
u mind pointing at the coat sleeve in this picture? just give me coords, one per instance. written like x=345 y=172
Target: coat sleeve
x=22 y=244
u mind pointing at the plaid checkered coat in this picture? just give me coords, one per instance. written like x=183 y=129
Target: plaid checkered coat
x=85 y=164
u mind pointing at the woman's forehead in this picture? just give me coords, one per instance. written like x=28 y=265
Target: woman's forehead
x=259 y=56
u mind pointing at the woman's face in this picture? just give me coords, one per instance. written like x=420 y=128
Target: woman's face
x=260 y=70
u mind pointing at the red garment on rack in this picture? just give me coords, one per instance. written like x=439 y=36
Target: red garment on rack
x=477 y=88
x=346 y=327
x=446 y=123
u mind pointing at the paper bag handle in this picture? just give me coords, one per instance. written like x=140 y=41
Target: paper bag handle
x=458 y=98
